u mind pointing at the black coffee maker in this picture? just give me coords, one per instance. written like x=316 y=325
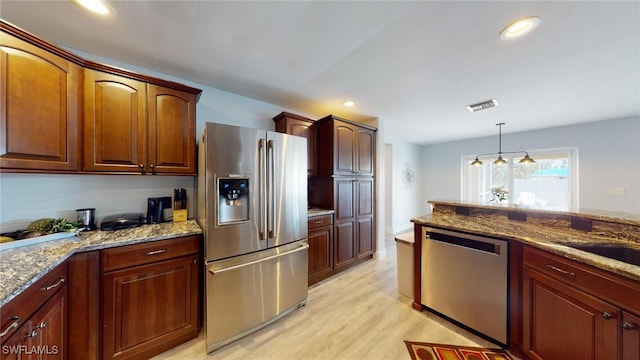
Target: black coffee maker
x=155 y=209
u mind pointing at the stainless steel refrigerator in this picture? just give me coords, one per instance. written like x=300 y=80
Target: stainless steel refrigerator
x=252 y=207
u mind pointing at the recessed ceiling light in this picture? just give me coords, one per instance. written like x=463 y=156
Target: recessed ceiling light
x=348 y=103
x=97 y=6
x=519 y=27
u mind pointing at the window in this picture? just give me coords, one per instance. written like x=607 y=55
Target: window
x=550 y=182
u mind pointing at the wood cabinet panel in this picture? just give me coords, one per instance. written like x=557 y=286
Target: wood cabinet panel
x=565 y=323
x=114 y=123
x=630 y=336
x=140 y=254
x=365 y=152
x=366 y=241
x=172 y=133
x=49 y=328
x=300 y=126
x=344 y=240
x=35 y=322
x=344 y=150
x=149 y=308
x=84 y=299
x=320 y=253
x=344 y=193
x=40 y=108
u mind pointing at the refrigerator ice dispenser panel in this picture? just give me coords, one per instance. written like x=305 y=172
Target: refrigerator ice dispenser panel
x=233 y=200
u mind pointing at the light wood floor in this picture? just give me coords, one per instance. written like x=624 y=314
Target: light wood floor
x=357 y=314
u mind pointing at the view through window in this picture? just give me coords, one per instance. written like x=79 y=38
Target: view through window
x=550 y=182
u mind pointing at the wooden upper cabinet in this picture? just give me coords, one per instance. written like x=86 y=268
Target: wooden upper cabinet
x=345 y=148
x=365 y=162
x=171 y=130
x=60 y=112
x=132 y=126
x=40 y=106
x=300 y=126
x=115 y=123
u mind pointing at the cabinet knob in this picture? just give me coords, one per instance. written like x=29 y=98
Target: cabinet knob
x=141 y=166
x=628 y=326
x=607 y=315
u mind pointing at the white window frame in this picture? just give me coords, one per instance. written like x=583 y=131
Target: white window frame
x=466 y=172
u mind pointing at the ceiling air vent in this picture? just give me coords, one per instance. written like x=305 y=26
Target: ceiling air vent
x=483 y=105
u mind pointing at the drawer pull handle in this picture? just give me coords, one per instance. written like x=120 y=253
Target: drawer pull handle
x=53 y=286
x=318 y=222
x=628 y=326
x=607 y=315
x=156 y=252
x=14 y=324
x=563 y=272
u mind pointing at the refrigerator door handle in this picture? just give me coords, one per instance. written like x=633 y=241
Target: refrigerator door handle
x=262 y=188
x=257 y=261
x=271 y=201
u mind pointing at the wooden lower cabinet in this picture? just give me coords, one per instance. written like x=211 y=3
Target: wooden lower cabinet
x=320 y=241
x=630 y=336
x=35 y=322
x=573 y=311
x=150 y=307
x=566 y=323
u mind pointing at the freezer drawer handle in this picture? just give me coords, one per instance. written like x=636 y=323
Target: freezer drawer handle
x=220 y=271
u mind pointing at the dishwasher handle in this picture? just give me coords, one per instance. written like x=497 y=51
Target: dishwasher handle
x=476 y=243
x=257 y=261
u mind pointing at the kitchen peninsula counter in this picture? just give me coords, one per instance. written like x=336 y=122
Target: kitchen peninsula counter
x=548 y=230
x=20 y=267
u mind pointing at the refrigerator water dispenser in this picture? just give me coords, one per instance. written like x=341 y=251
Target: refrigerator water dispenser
x=233 y=200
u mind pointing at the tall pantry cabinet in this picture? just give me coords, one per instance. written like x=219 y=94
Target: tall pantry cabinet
x=346 y=184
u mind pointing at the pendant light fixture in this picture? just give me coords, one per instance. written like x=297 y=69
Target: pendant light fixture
x=500 y=161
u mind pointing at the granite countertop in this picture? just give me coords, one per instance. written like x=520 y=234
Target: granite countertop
x=21 y=267
x=552 y=239
x=318 y=211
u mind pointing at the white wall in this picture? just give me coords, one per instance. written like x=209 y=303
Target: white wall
x=407 y=200
x=26 y=197
x=608 y=157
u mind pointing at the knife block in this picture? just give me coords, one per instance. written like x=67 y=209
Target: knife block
x=179 y=215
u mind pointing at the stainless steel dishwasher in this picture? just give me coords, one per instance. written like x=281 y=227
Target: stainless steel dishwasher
x=464 y=277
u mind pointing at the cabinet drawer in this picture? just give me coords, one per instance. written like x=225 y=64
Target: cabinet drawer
x=132 y=255
x=605 y=285
x=320 y=221
x=18 y=310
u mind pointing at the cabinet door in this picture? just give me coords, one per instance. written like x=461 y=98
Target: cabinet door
x=39 y=108
x=150 y=308
x=365 y=151
x=364 y=217
x=320 y=253
x=561 y=322
x=630 y=336
x=50 y=327
x=344 y=149
x=305 y=129
x=114 y=123
x=171 y=131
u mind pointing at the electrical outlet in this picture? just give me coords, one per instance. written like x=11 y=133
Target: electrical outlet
x=618 y=191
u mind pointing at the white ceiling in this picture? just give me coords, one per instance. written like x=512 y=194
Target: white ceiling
x=415 y=65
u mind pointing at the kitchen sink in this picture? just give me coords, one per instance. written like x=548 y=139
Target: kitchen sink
x=613 y=251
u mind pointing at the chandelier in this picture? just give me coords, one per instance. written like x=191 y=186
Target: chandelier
x=500 y=161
